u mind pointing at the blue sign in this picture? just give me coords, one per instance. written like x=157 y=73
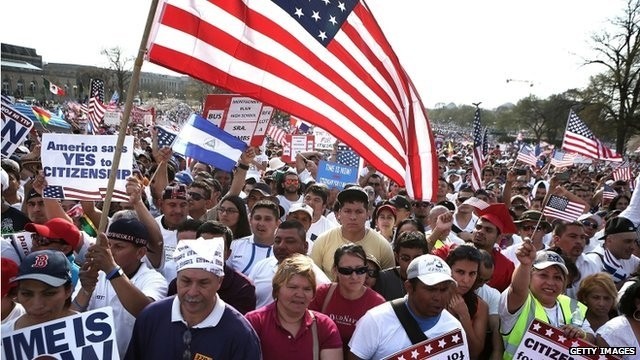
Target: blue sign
x=335 y=175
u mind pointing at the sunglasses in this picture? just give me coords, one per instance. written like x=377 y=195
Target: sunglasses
x=589 y=223
x=421 y=204
x=291 y=181
x=227 y=210
x=348 y=271
x=186 y=340
x=196 y=196
x=530 y=227
x=40 y=240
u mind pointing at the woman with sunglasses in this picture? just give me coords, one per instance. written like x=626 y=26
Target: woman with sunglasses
x=233 y=213
x=287 y=328
x=348 y=299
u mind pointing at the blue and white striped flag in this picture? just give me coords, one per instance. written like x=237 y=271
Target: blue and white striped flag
x=201 y=140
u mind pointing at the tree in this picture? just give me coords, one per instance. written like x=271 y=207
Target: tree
x=120 y=65
x=618 y=88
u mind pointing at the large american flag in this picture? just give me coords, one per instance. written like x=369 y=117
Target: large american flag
x=96 y=107
x=478 y=157
x=527 y=156
x=327 y=62
x=68 y=192
x=578 y=138
x=563 y=208
x=560 y=158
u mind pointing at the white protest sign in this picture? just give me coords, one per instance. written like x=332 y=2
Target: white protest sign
x=112 y=118
x=543 y=341
x=88 y=335
x=21 y=243
x=15 y=128
x=78 y=166
x=242 y=117
x=324 y=140
x=449 y=346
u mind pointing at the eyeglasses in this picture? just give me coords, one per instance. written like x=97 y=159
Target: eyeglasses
x=186 y=340
x=423 y=204
x=227 y=210
x=373 y=183
x=530 y=227
x=40 y=240
x=196 y=196
x=373 y=273
x=589 y=223
x=348 y=271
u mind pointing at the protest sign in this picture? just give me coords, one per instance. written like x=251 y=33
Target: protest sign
x=296 y=144
x=21 y=243
x=88 y=335
x=15 y=128
x=323 y=140
x=112 y=117
x=335 y=175
x=449 y=346
x=548 y=342
x=240 y=116
x=78 y=166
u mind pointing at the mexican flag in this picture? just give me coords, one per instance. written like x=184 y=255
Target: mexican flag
x=55 y=89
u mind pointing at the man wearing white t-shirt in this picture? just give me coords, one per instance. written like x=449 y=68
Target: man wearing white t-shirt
x=529 y=221
x=317 y=196
x=289 y=189
x=379 y=333
x=175 y=209
x=615 y=256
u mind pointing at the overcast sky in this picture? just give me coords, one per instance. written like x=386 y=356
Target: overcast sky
x=455 y=51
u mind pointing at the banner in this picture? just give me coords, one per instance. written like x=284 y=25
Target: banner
x=240 y=116
x=449 y=346
x=15 y=128
x=543 y=341
x=78 y=166
x=21 y=242
x=88 y=335
x=335 y=175
x=296 y=144
x=323 y=140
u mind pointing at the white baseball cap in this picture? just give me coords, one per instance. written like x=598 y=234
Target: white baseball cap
x=301 y=207
x=430 y=270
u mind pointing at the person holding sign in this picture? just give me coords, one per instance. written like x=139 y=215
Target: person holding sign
x=536 y=292
x=44 y=289
x=196 y=323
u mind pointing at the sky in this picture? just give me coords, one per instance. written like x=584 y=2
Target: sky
x=454 y=51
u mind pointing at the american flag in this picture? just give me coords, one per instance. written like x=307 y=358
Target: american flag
x=527 y=156
x=485 y=142
x=562 y=159
x=478 y=158
x=68 y=192
x=622 y=172
x=96 y=107
x=166 y=137
x=578 y=138
x=608 y=193
x=327 y=62
x=277 y=134
x=563 y=208
x=346 y=156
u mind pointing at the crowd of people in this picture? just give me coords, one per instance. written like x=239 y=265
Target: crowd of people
x=266 y=262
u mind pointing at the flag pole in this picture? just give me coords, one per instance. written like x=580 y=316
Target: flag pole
x=131 y=91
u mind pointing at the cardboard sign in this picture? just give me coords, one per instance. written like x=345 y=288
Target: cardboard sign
x=323 y=140
x=112 y=118
x=78 y=166
x=296 y=144
x=88 y=335
x=241 y=116
x=335 y=175
x=15 y=128
x=543 y=341
x=449 y=346
x=21 y=242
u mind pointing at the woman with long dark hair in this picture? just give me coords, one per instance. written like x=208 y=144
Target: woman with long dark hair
x=232 y=212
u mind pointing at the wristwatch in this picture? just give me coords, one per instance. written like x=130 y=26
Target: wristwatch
x=116 y=275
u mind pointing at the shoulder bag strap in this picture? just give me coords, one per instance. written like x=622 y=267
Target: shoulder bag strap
x=407 y=321
x=314 y=332
x=327 y=298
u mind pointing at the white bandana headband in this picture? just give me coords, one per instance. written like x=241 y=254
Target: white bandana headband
x=202 y=254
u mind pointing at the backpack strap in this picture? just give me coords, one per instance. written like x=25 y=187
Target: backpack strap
x=407 y=321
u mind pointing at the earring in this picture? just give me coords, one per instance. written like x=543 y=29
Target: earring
x=636 y=315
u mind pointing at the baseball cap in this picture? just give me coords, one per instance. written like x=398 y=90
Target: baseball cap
x=593 y=217
x=57 y=228
x=619 y=225
x=9 y=271
x=276 y=163
x=32 y=194
x=301 y=207
x=184 y=177
x=430 y=270
x=400 y=202
x=498 y=215
x=354 y=193
x=178 y=191
x=49 y=266
x=387 y=207
x=535 y=216
x=262 y=188
x=131 y=230
x=544 y=259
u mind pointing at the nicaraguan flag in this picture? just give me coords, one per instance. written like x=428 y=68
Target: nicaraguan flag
x=201 y=140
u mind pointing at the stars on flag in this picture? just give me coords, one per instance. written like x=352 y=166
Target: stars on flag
x=165 y=136
x=563 y=208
